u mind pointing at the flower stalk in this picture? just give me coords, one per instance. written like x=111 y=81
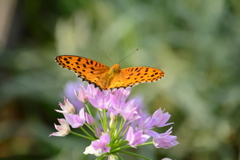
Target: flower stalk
x=113 y=124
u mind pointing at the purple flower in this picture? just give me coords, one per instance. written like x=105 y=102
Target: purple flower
x=102 y=143
x=118 y=99
x=98 y=132
x=158 y=119
x=165 y=140
x=134 y=125
x=67 y=107
x=146 y=123
x=136 y=138
x=63 y=129
x=89 y=119
x=81 y=94
x=121 y=94
x=142 y=111
x=129 y=111
x=76 y=120
x=69 y=92
x=161 y=118
x=91 y=90
x=99 y=99
x=99 y=147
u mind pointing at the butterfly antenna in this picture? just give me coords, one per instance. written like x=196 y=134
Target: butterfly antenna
x=108 y=55
x=128 y=55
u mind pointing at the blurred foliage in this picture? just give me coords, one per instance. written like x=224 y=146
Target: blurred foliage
x=195 y=42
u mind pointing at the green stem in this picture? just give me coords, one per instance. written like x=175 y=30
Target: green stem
x=90 y=127
x=122 y=123
x=115 y=138
x=125 y=131
x=100 y=117
x=113 y=129
x=128 y=146
x=147 y=143
x=123 y=143
x=92 y=138
x=134 y=154
x=81 y=136
x=120 y=148
x=120 y=157
x=102 y=157
x=89 y=111
x=105 y=126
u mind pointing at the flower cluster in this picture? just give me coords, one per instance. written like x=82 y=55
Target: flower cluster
x=112 y=123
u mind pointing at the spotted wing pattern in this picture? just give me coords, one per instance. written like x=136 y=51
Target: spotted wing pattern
x=101 y=76
x=130 y=77
x=86 y=69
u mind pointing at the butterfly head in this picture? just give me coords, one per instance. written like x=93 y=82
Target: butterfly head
x=115 y=69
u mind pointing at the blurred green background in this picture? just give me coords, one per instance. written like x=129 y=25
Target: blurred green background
x=195 y=42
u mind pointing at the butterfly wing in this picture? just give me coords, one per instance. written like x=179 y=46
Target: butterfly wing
x=86 y=69
x=130 y=77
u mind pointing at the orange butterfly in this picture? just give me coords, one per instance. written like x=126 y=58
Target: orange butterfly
x=108 y=78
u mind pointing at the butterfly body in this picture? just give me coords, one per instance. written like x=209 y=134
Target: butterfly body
x=108 y=78
x=111 y=76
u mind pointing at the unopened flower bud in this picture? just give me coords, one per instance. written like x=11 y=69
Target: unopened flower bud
x=112 y=157
x=112 y=119
x=98 y=132
x=89 y=119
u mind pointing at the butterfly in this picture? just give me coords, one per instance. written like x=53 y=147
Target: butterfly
x=108 y=78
